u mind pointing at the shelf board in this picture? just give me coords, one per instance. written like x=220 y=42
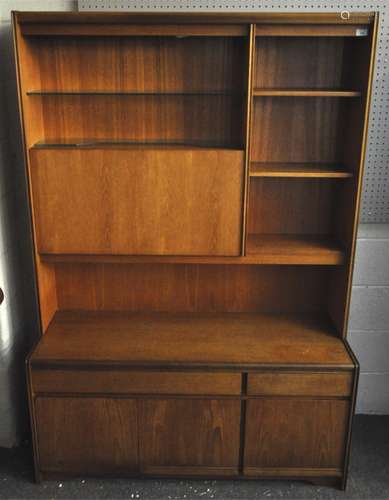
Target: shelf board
x=117 y=143
x=294 y=249
x=156 y=93
x=211 y=340
x=316 y=170
x=258 y=92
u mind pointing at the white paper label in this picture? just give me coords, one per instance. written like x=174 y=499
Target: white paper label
x=361 y=32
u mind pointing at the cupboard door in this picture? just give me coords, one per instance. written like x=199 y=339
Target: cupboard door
x=190 y=436
x=293 y=437
x=87 y=435
x=138 y=201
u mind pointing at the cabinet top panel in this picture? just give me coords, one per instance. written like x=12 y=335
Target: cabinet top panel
x=195 y=17
x=228 y=340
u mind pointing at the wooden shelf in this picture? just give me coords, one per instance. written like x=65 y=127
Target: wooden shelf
x=151 y=93
x=305 y=93
x=294 y=249
x=230 y=340
x=315 y=170
x=113 y=143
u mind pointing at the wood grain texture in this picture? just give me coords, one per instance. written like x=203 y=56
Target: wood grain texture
x=331 y=384
x=190 y=433
x=311 y=133
x=283 y=433
x=138 y=202
x=87 y=436
x=135 y=382
x=211 y=340
x=294 y=64
x=117 y=30
x=294 y=249
x=292 y=207
x=148 y=64
x=191 y=288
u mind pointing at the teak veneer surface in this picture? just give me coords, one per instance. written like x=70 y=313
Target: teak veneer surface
x=139 y=64
x=190 y=339
x=138 y=202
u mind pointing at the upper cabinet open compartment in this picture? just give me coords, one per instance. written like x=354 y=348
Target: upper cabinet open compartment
x=155 y=90
x=316 y=66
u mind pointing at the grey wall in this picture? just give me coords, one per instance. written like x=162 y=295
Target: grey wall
x=369 y=317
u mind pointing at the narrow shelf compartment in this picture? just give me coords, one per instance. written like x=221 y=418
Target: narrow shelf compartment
x=157 y=93
x=294 y=249
x=258 y=92
x=228 y=340
x=315 y=170
x=117 y=143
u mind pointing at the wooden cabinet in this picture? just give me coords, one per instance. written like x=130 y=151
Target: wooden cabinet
x=190 y=436
x=87 y=436
x=194 y=183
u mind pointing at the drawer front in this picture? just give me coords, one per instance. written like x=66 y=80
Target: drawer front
x=300 y=384
x=135 y=382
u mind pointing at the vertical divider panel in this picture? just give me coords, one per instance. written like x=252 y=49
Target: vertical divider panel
x=249 y=122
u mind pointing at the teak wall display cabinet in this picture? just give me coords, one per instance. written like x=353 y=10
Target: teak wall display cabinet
x=194 y=185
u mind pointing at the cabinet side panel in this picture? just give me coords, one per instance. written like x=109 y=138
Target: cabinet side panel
x=354 y=148
x=31 y=131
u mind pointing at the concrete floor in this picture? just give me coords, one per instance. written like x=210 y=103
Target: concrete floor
x=368 y=479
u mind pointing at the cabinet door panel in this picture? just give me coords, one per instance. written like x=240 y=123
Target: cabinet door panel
x=138 y=201
x=295 y=433
x=87 y=435
x=190 y=436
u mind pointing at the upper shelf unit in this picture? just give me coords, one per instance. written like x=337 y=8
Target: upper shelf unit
x=152 y=91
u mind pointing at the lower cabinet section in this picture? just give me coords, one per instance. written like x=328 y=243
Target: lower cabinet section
x=190 y=436
x=87 y=435
x=102 y=436
x=231 y=434
x=295 y=437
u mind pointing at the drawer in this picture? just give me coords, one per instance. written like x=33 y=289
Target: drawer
x=134 y=382
x=300 y=384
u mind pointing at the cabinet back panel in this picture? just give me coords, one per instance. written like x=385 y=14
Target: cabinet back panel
x=138 y=201
x=213 y=119
x=292 y=206
x=302 y=129
x=137 y=64
x=191 y=288
x=304 y=63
